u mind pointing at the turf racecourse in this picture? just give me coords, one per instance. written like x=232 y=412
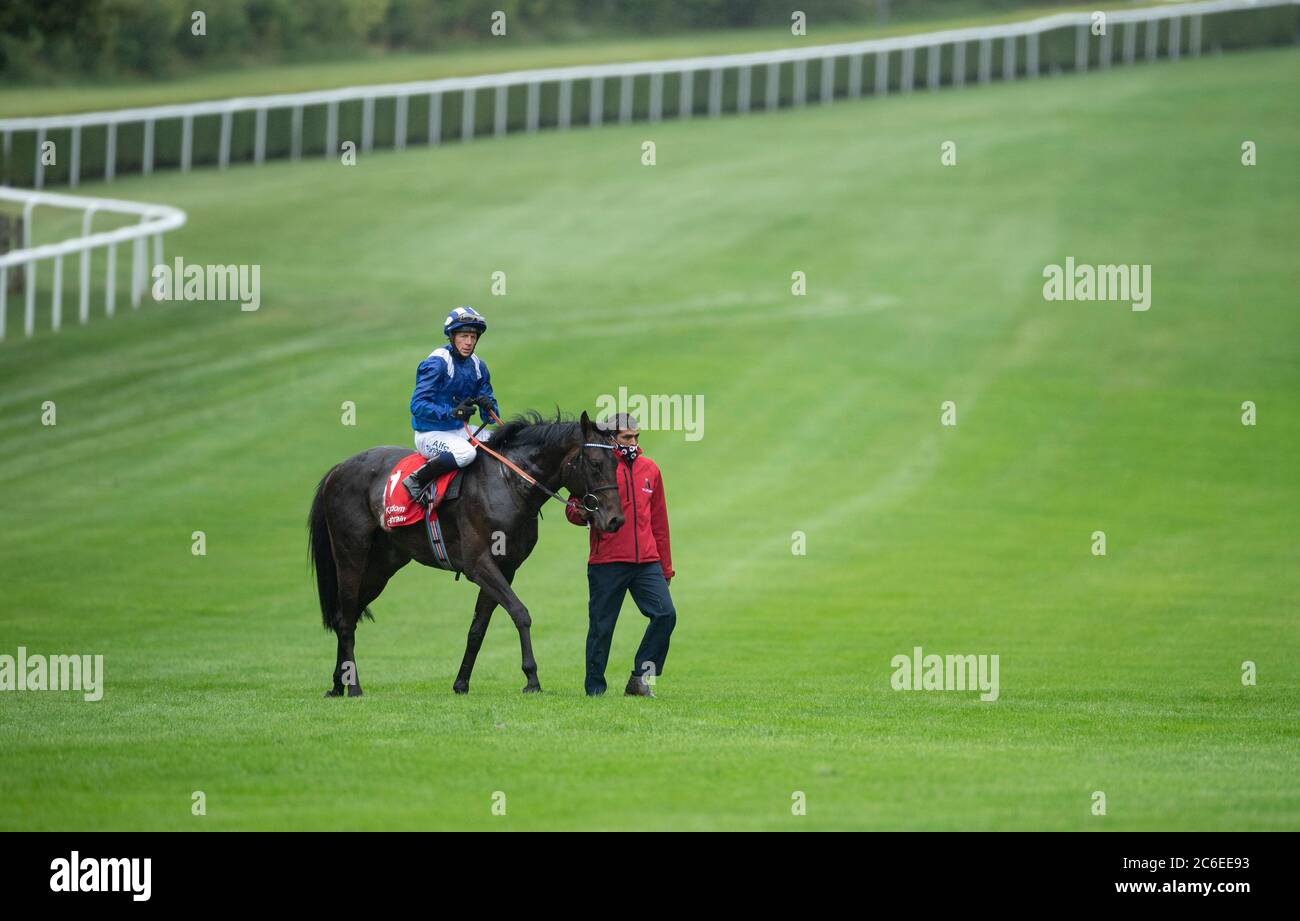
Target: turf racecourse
x=1118 y=674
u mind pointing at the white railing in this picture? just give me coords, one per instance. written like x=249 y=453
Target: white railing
x=152 y=222
x=561 y=83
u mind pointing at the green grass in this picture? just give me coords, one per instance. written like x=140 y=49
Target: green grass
x=485 y=58
x=1118 y=673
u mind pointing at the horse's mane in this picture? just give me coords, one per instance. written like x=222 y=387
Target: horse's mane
x=530 y=429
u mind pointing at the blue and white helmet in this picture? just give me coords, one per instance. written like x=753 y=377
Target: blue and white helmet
x=464 y=318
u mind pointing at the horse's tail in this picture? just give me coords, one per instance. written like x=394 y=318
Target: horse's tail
x=321 y=551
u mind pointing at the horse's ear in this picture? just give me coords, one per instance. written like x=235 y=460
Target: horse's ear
x=586 y=426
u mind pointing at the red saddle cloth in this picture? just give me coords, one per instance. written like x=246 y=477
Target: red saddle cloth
x=399 y=508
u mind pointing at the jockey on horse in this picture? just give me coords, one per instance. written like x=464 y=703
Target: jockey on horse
x=449 y=384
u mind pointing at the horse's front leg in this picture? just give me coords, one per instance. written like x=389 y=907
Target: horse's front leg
x=483 y=609
x=492 y=581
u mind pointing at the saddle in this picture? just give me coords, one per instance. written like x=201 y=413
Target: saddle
x=400 y=510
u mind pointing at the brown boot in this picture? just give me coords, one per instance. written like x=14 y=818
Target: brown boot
x=637 y=687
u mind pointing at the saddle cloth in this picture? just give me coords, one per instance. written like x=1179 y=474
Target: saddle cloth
x=399 y=509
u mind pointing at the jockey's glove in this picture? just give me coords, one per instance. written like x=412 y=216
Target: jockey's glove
x=464 y=409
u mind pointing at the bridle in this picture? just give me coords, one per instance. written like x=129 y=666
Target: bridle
x=589 y=500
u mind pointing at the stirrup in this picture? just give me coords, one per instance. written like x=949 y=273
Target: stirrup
x=416 y=490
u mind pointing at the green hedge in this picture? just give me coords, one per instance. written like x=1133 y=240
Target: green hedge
x=54 y=40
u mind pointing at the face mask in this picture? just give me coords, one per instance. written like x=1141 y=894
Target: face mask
x=628 y=452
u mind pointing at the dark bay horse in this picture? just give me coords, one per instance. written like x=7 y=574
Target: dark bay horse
x=488 y=530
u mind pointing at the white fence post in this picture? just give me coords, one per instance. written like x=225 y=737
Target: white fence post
x=29 y=275
x=110 y=284
x=1175 y=38
x=1153 y=38
x=565 y=115
x=1009 y=58
x=986 y=60
x=882 y=73
x=399 y=122
x=828 y=81
x=596 y=110
x=435 y=118
x=223 y=150
x=534 y=116
x=56 y=299
x=367 y=123
x=686 y=94
x=74 y=164
x=137 y=272
x=83 y=304
x=500 y=107
x=29 y=307
x=715 y=93
x=656 y=98
x=855 y=76
x=772 y=88
x=908 y=70
x=800 y=82
x=1031 y=54
x=39 y=173
x=146 y=160
x=933 y=53
x=259 y=137
x=959 y=64
x=295 y=133
x=467 y=115
x=331 y=129
x=187 y=143
x=624 y=99
x=110 y=152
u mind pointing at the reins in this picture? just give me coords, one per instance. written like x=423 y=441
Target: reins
x=590 y=506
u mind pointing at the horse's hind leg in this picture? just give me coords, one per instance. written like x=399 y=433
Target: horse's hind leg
x=345 y=666
x=350 y=558
x=483 y=609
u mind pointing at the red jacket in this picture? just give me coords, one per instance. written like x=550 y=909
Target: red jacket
x=643 y=538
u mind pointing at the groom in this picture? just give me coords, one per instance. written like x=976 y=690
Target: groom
x=636 y=558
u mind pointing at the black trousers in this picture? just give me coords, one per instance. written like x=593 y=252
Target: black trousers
x=608 y=583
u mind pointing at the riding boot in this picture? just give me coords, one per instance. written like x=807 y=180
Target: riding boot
x=418 y=483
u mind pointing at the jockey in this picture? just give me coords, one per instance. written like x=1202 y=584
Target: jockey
x=449 y=384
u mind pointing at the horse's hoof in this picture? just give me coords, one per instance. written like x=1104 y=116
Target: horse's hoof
x=354 y=690
x=532 y=689
x=460 y=687
x=334 y=692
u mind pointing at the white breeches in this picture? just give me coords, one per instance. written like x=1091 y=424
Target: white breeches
x=455 y=442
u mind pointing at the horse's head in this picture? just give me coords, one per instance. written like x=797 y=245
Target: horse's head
x=592 y=475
